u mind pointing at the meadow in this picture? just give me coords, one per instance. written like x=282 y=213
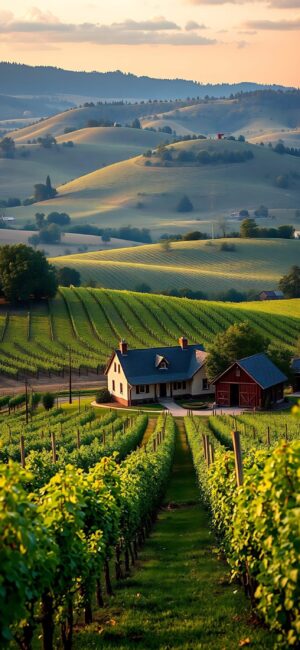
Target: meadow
x=254 y=265
x=88 y=323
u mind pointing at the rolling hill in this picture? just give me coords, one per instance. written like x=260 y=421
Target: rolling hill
x=90 y=322
x=145 y=192
x=93 y=148
x=254 y=265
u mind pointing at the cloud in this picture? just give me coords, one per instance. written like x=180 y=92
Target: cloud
x=45 y=26
x=272 y=4
x=274 y=25
x=192 y=25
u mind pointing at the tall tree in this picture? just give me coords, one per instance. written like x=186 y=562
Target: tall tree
x=290 y=283
x=238 y=341
x=25 y=273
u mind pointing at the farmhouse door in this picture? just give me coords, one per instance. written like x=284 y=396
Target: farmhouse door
x=234 y=394
x=163 y=390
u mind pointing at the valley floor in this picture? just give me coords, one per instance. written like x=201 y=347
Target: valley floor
x=179 y=596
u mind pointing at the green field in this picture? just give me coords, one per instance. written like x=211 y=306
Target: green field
x=131 y=192
x=90 y=322
x=199 y=265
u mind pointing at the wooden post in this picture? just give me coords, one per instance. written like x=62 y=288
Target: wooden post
x=204 y=445
x=212 y=452
x=53 y=445
x=154 y=445
x=268 y=437
x=22 y=449
x=238 y=458
x=78 y=439
x=207 y=450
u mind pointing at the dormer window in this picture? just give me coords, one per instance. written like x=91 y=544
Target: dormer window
x=161 y=363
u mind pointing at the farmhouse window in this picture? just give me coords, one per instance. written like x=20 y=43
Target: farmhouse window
x=204 y=383
x=184 y=384
x=177 y=385
x=121 y=389
x=119 y=369
x=147 y=388
x=163 y=365
x=113 y=385
x=115 y=367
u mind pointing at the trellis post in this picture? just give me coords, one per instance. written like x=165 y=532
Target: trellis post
x=238 y=458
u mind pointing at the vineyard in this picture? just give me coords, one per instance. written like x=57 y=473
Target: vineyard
x=80 y=491
x=254 y=504
x=85 y=325
x=200 y=265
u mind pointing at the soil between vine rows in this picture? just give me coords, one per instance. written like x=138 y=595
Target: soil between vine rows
x=179 y=595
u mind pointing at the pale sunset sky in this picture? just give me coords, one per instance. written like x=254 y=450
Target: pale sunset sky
x=205 y=40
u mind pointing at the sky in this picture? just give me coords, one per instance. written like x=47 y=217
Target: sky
x=204 y=40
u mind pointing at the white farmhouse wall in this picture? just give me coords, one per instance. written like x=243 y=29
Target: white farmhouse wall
x=197 y=383
x=118 y=378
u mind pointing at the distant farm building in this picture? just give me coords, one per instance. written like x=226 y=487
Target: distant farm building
x=253 y=382
x=271 y=295
x=220 y=136
x=296 y=374
x=147 y=375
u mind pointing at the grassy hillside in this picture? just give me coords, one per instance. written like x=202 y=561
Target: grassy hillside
x=198 y=265
x=290 y=137
x=132 y=192
x=91 y=322
x=94 y=148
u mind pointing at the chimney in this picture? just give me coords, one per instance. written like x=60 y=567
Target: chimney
x=183 y=342
x=123 y=347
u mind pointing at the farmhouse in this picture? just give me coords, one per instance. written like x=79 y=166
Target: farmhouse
x=136 y=376
x=271 y=295
x=253 y=382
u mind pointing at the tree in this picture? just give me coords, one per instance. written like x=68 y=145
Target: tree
x=7 y=148
x=282 y=357
x=25 y=274
x=185 y=204
x=238 y=341
x=136 y=123
x=286 y=232
x=193 y=235
x=34 y=240
x=59 y=218
x=40 y=219
x=48 y=401
x=248 y=228
x=67 y=276
x=262 y=211
x=50 y=234
x=105 y=238
x=165 y=245
x=143 y=288
x=290 y=283
x=243 y=213
x=43 y=192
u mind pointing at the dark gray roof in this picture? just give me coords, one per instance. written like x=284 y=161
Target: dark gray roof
x=140 y=365
x=274 y=293
x=296 y=365
x=262 y=370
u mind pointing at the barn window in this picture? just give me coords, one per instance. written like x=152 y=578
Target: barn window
x=121 y=388
x=113 y=385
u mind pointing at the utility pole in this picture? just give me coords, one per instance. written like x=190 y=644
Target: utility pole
x=212 y=230
x=70 y=376
x=26 y=400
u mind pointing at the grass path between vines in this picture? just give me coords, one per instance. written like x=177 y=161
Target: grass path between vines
x=179 y=595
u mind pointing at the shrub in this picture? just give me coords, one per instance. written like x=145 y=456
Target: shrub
x=227 y=247
x=48 y=401
x=103 y=396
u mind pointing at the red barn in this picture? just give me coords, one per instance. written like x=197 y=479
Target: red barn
x=250 y=383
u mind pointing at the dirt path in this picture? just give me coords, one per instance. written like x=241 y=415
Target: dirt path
x=179 y=597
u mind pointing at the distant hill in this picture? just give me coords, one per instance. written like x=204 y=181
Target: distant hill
x=199 y=265
x=19 y=79
x=12 y=108
x=146 y=195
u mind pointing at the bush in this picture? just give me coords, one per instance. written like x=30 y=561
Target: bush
x=184 y=205
x=103 y=396
x=227 y=247
x=48 y=401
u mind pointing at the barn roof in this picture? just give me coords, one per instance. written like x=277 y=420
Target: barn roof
x=272 y=294
x=140 y=366
x=261 y=369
